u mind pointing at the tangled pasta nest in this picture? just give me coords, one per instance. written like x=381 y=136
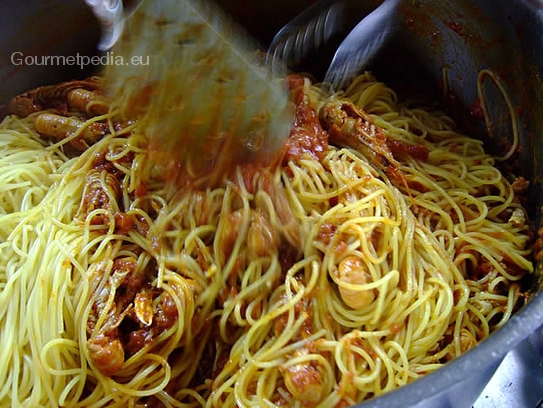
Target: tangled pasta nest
x=383 y=245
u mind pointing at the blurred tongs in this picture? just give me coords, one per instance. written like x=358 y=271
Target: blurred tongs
x=204 y=98
x=353 y=30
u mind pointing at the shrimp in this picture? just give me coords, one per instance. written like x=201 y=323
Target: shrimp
x=257 y=179
x=305 y=381
x=132 y=280
x=57 y=128
x=520 y=185
x=348 y=125
x=101 y=188
x=262 y=238
x=307 y=137
x=162 y=317
x=104 y=345
x=54 y=96
x=351 y=271
x=467 y=340
x=145 y=310
x=143 y=306
x=107 y=353
x=132 y=297
x=228 y=235
x=90 y=102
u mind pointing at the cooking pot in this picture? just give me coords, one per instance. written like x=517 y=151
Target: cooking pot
x=451 y=39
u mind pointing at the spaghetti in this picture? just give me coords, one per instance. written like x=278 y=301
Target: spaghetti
x=385 y=245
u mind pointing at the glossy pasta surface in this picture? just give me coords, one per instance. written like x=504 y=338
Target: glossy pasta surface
x=382 y=245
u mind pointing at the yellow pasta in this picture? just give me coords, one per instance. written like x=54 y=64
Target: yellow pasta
x=319 y=282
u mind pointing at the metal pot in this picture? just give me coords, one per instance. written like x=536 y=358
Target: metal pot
x=459 y=36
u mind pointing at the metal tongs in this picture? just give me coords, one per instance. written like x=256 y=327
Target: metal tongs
x=324 y=23
x=111 y=14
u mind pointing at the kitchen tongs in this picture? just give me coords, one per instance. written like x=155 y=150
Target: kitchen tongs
x=353 y=29
x=196 y=84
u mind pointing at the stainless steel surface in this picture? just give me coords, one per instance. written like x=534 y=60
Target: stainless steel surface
x=458 y=38
x=535 y=340
x=317 y=31
x=310 y=31
x=37 y=28
x=518 y=382
x=362 y=44
x=111 y=17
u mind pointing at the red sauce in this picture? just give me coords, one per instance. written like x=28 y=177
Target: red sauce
x=124 y=223
x=131 y=284
x=416 y=186
x=476 y=110
x=295 y=82
x=307 y=135
x=141 y=190
x=399 y=148
x=137 y=339
x=457 y=28
x=326 y=232
x=395 y=328
x=166 y=315
x=222 y=359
